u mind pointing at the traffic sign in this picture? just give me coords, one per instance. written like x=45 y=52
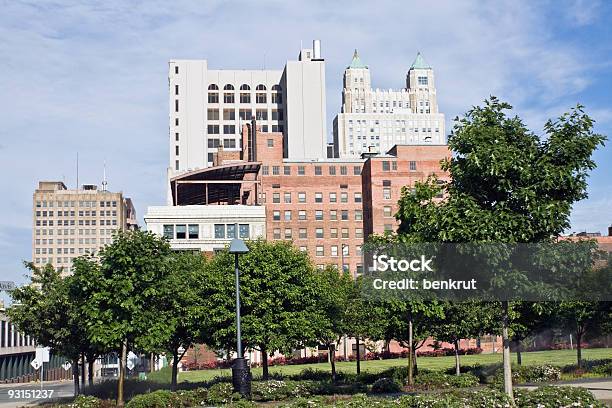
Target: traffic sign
x=36 y=364
x=42 y=354
x=7 y=285
x=130 y=364
x=67 y=365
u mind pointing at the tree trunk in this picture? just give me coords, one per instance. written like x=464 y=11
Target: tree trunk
x=358 y=354
x=83 y=365
x=579 y=348
x=457 y=364
x=410 y=353
x=519 y=357
x=506 y=352
x=332 y=361
x=90 y=370
x=264 y=363
x=152 y=363
x=121 y=380
x=75 y=375
x=175 y=361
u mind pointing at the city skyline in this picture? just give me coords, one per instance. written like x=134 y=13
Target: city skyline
x=87 y=79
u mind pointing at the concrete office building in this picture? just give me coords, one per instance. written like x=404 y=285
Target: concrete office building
x=69 y=223
x=377 y=119
x=208 y=106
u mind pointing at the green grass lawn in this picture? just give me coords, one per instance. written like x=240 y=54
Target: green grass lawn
x=556 y=357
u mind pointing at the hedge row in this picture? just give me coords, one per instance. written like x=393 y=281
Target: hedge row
x=281 y=360
x=221 y=395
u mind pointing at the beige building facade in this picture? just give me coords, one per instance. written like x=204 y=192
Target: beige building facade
x=375 y=120
x=70 y=223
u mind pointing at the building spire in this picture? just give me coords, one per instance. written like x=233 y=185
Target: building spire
x=356 y=62
x=419 y=62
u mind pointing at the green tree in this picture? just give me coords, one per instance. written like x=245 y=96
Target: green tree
x=506 y=185
x=334 y=288
x=364 y=318
x=278 y=299
x=410 y=322
x=461 y=320
x=180 y=306
x=47 y=311
x=582 y=317
x=121 y=293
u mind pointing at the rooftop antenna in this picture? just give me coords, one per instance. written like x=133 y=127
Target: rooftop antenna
x=77 y=171
x=104 y=182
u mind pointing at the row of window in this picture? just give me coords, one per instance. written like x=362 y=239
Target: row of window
x=91 y=204
x=72 y=231
x=72 y=213
x=72 y=241
x=245 y=114
x=215 y=143
x=66 y=223
x=319 y=233
x=318 y=215
x=64 y=260
x=192 y=231
x=244 y=87
x=392 y=165
x=260 y=97
x=318 y=197
x=301 y=170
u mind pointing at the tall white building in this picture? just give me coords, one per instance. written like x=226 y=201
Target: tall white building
x=207 y=107
x=378 y=119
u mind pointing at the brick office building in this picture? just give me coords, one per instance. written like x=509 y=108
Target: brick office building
x=325 y=206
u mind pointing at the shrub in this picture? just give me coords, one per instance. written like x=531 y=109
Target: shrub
x=221 y=393
x=432 y=380
x=529 y=374
x=87 y=401
x=157 y=399
x=554 y=397
x=275 y=390
x=385 y=386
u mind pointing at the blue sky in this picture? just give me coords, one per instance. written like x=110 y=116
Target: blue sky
x=92 y=77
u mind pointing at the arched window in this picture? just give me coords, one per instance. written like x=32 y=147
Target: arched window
x=213 y=87
x=245 y=87
x=260 y=87
x=277 y=88
x=228 y=87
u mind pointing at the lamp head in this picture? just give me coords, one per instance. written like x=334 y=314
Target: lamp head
x=237 y=246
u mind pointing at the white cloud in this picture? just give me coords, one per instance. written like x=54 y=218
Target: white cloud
x=92 y=77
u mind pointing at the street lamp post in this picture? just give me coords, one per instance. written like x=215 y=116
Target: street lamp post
x=241 y=374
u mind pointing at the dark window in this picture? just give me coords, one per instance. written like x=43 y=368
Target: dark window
x=231 y=230
x=168 y=231
x=244 y=231
x=193 y=231
x=176 y=89
x=412 y=165
x=318 y=170
x=219 y=231
x=385 y=166
x=181 y=231
x=176 y=70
